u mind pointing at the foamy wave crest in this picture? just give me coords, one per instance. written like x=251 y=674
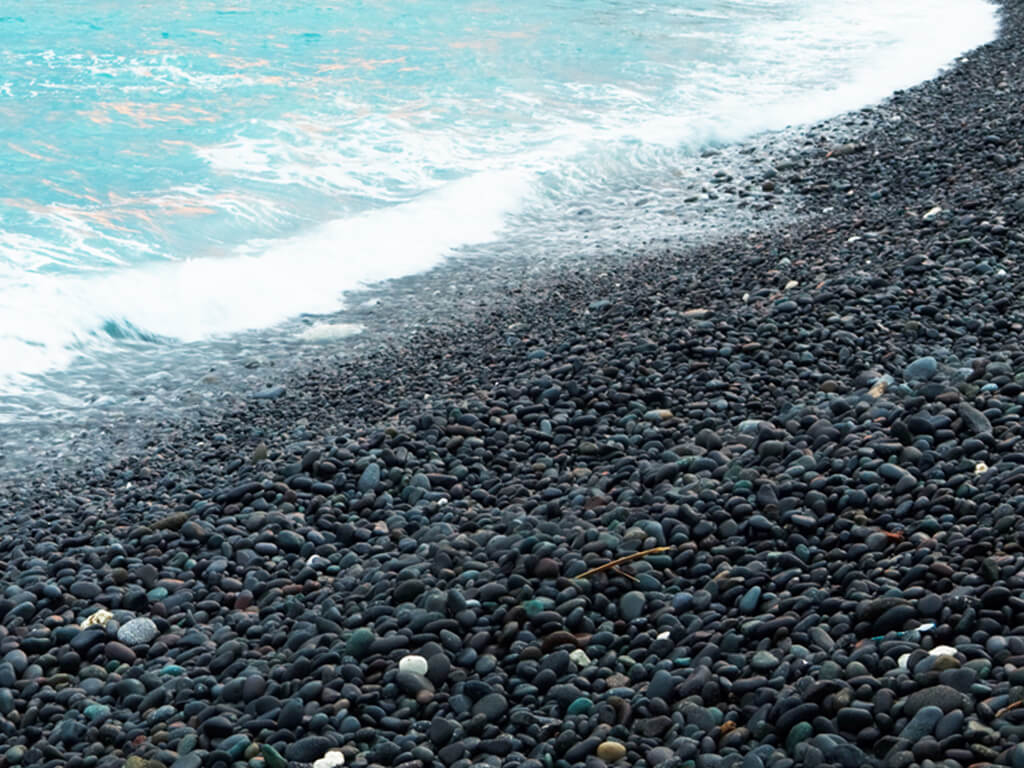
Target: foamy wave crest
x=45 y=323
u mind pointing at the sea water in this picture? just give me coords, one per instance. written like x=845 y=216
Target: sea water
x=176 y=172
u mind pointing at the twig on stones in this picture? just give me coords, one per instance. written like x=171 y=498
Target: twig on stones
x=1008 y=708
x=628 y=575
x=621 y=560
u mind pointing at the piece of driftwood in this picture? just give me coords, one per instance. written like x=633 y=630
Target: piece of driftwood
x=621 y=560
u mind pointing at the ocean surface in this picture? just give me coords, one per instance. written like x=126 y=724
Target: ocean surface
x=176 y=173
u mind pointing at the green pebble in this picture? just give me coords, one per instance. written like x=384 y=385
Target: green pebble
x=96 y=711
x=682 y=661
x=188 y=742
x=235 y=745
x=359 y=642
x=157 y=593
x=273 y=757
x=581 y=706
x=799 y=732
x=533 y=607
x=173 y=670
x=15 y=755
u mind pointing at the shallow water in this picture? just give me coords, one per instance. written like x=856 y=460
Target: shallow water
x=179 y=175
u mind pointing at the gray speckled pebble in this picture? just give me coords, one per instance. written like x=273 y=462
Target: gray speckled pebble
x=138 y=632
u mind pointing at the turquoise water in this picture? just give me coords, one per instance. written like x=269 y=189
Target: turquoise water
x=176 y=171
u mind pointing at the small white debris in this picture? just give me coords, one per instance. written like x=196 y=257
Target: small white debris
x=98 y=619
x=980 y=468
x=792 y=284
x=328 y=332
x=333 y=758
x=580 y=658
x=943 y=650
x=853 y=239
x=663 y=635
x=932 y=213
x=746 y=297
x=413 y=663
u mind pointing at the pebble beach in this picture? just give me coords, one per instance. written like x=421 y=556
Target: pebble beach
x=755 y=503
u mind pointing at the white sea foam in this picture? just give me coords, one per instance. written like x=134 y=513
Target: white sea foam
x=45 y=322
x=331 y=331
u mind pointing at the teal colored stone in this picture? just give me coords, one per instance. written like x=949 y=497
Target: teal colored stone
x=96 y=711
x=15 y=755
x=179 y=560
x=535 y=606
x=188 y=742
x=749 y=601
x=235 y=745
x=799 y=732
x=157 y=593
x=173 y=670
x=359 y=642
x=682 y=661
x=581 y=706
x=742 y=486
x=163 y=714
x=272 y=757
x=717 y=715
x=648 y=583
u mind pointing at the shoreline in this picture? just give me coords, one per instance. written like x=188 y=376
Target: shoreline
x=821 y=423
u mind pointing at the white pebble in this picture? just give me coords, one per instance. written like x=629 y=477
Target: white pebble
x=413 y=663
x=331 y=759
x=580 y=658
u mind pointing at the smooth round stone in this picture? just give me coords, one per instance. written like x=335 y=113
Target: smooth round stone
x=631 y=605
x=658 y=755
x=749 y=601
x=96 y=711
x=580 y=706
x=369 y=479
x=359 y=642
x=492 y=706
x=546 y=568
x=763 y=661
x=921 y=369
x=86 y=590
x=610 y=751
x=289 y=541
x=272 y=757
x=119 y=652
x=799 y=732
x=139 y=631
x=307 y=749
x=661 y=685
x=921 y=724
x=413 y=663
x=942 y=697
